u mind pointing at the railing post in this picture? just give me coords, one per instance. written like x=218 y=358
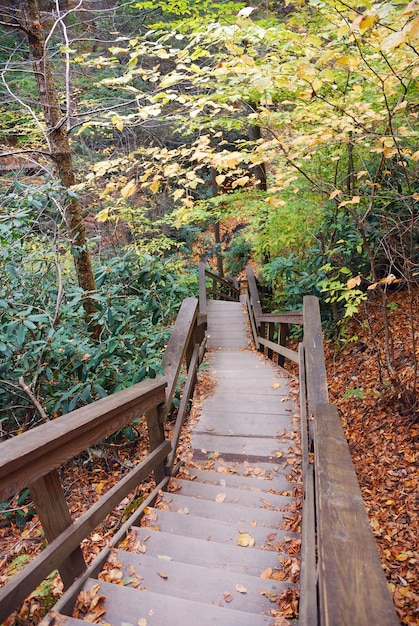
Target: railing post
x=155 y=426
x=282 y=339
x=202 y=293
x=52 y=509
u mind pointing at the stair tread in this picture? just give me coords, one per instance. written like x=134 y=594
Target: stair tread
x=200 y=584
x=219 y=531
x=276 y=484
x=222 y=511
x=126 y=604
x=232 y=495
x=204 y=553
x=236 y=448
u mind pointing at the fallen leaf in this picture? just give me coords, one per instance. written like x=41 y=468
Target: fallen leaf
x=142 y=621
x=244 y=540
x=220 y=497
x=227 y=596
x=267 y=573
x=240 y=588
x=164 y=576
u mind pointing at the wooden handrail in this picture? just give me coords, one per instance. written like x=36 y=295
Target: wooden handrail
x=32 y=455
x=352 y=587
x=223 y=288
x=341 y=579
x=266 y=325
x=177 y=346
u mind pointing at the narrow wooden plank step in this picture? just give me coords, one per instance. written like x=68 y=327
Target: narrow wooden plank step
x=205 y=553
x=234 y=370
x=247 y=403
x=220 y=531
x=247 y=468
x=277 y=484
x=253 y=449
x=234 y=513
x=227 y=342
x=225 y=494
x=271 y=386
x=229 y=305
x=230 y=423
x=192 y=582
x=125 y=604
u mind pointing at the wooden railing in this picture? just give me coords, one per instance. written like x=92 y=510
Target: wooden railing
x=213 y=286
x=268 y=326
x=34 y=458
x=342 y=582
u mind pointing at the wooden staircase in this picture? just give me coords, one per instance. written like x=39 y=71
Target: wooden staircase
x=215 y=548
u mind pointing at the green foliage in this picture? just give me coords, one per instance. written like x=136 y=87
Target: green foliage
x=43 y=337
x=341 y=287
x=238 y=255
x=291 y=277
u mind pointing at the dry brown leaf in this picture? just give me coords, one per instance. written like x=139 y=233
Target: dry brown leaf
x=267 y=573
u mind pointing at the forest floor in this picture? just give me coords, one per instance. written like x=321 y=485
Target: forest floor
x=382 y=430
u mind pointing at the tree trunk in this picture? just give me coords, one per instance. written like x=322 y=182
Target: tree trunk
x=259 y=170
x=60 y=151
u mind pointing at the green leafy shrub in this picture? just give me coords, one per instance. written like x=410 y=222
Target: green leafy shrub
x=44 y=341
x=238 y=255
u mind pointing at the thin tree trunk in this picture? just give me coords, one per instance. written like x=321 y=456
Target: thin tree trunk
x=60 y=151
x=259 y=170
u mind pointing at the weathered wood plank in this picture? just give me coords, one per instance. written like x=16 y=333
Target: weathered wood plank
x=270 y=484
x=238 y=424
x=125 y=604
x=208 y=554
x=253 y=292
x=202 y=291
x=308 y=610
x=285 y=317
x=177 y=346
x=225 y=511
x=256 y=404
x=282 y=350
x=186 y=396
x=200 y=584
x=317 y=391
x=220 y=531
x=352 y=585
x=34 y=454
x=243 y=497
x=237 y=448
x=52 y=510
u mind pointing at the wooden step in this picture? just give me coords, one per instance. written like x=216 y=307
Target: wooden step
x=133 y=606
x=220 y=531
x=270 y=386
x=208 y=554
x=233 y=423
x=247 y=468
x=221 y=495
x=247 y=403
x=277 y=484
x=234 y=513
x=254 y=449
x=199 y=584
